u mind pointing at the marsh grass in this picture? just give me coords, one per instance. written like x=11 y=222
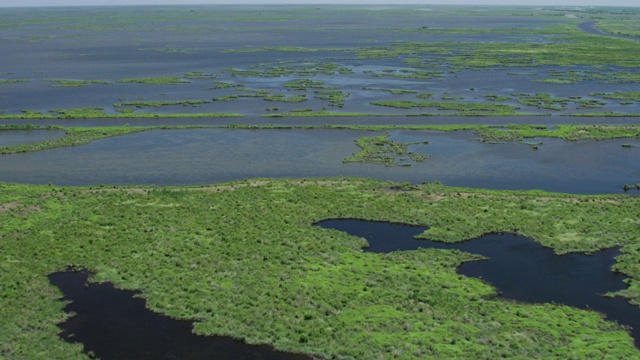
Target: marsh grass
x=381 y=150
x=76 y=83
x=161 y=80
x=243 y=259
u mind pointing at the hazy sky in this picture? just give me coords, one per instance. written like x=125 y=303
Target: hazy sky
x=11 y=3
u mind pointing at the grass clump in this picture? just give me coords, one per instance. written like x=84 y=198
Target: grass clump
x=13 y=81
x=76 y=83
x=381 y=150
x=162 y=80
x=461 y=108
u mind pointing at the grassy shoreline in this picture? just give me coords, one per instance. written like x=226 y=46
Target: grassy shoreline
x=264 y=274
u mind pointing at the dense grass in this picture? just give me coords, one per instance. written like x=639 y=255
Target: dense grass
x=244 y=260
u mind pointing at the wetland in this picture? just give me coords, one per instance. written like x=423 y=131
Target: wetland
x=183 y=154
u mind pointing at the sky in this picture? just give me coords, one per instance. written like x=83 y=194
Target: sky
x=19 y=3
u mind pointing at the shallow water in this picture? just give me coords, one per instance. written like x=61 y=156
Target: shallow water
x=112 y=324
x=519 y=268
x=200 y=156
x=17 y=137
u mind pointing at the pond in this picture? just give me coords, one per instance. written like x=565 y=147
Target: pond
x=112 y=324
x=519 y=268
x=201 y=156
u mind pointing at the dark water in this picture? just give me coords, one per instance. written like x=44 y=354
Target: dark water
x=113 y=324
x=519 y=268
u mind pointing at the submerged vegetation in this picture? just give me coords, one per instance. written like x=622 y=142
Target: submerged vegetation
x=282 y=281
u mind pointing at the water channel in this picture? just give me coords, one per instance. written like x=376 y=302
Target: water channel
x=202 y=156
x=519 y=268
x=112 y=324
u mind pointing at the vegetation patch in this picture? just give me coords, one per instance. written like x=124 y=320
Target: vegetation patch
x=263 y=273
x=162 y=80
x=461 y=108
x=335 y=97
x=76 y=83
x=620 y=95
x=140 y=104
x=565 y=132
x=381 y=150
x=98 y=113
x=13 y=81
x=321 y=113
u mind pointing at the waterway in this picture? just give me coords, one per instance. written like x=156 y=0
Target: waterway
x=519 y=268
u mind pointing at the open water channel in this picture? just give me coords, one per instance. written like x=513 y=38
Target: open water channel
x=202 y=156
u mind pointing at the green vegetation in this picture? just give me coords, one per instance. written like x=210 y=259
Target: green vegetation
x=557 y=81
x=614 y=20
x=73 y=137
x=494 y=97
x=565 y=132
x=163 y=80
x=335 y=97
x=605 y=114
x=544 y=101
x=603 y=76
x=492 y=134
x=284 y=98
x=393 y=91
x=143 y=104
x=381 y=150
x=199 y=75
x=98 y=113
x=618 y=95
x=13 y=81
x=426 y=95
x=311 y=68
x=225 y=85
x=264 y=274
x=305 y=84
x=320 y=113
x=265 y=95
x=76 y=83
x=461 y=108
x=410 y=74
x=243 y=259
